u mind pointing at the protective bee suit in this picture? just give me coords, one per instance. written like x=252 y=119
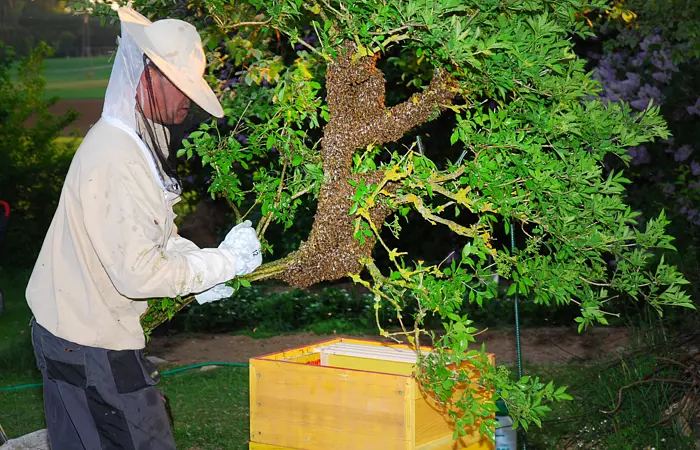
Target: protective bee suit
x=113 y=243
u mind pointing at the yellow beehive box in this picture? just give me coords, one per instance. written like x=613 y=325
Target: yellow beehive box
x=347 y=394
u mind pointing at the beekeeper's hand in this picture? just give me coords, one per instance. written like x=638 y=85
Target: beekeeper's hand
x=244 y=243
x=218 y=292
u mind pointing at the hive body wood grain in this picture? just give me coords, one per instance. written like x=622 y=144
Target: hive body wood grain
x=346 y=398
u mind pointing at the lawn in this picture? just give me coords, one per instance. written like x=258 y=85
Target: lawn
x=210 y=409
x=15 y=345
x=77 y=78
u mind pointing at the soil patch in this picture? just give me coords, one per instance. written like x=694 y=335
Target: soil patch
x=545 y=345
x=89 y=109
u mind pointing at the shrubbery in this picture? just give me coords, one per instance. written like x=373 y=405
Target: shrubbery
x=34 y=164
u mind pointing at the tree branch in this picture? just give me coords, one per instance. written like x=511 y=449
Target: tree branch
x=449 y=177
x=396 y=121
x=428 y=215
x=400 y=29
x=158 y=317
x=242 y=24
x=636 y=383
x=263 y=227
x=313 y=49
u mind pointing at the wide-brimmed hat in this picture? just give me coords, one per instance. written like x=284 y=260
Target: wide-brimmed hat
x=174 y=46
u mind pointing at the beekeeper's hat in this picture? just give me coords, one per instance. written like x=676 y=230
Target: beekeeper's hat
x=174 y=46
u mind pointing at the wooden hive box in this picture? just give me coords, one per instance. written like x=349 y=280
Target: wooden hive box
x=347 y=394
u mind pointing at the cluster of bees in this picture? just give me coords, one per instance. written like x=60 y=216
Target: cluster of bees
x=358 y=117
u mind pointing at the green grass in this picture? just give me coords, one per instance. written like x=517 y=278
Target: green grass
x=77 y=78
x=210 y=409
x=581 y=423
x=15 y=345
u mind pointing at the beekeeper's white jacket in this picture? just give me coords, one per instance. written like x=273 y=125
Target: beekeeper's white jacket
x=112 y=243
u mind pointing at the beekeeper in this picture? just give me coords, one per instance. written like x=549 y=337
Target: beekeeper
x=113 y=244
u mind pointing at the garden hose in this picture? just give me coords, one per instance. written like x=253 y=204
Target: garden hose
x=167 y=372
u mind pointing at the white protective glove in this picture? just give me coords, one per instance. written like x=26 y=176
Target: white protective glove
x=218 y=292
x=243 y=242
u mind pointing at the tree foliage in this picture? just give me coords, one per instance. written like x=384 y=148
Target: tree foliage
x=653 y=58
x=33 y=163
x=309 y=116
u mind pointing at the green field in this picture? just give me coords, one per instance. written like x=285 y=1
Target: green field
x=77 y=78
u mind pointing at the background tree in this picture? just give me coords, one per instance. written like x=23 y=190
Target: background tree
x=33 y=162
x=521 y=149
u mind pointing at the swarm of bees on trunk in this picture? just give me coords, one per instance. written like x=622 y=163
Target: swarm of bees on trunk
x=358 y=118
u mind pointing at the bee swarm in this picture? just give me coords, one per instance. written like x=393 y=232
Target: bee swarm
x=358 y=118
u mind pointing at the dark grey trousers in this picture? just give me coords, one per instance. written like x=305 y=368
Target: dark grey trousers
x=100 y=399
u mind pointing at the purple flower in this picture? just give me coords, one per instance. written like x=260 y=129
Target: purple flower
x=630 y=84
x=695 y=168
x=662 y=61
x=650 y=40
x=661 y=77
x=230 y=82
x=694 y=109
x=605 y=72
x=668 y=188
x=242 y=138
x=683 y=153
x=650 y=91
x=639 y=155
x=638 y=59
x=640 y=104
x=310 y=39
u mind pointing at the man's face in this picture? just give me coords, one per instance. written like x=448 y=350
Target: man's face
x=171 y=105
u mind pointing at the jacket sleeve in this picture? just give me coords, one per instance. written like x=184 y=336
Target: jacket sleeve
x=124 y=217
